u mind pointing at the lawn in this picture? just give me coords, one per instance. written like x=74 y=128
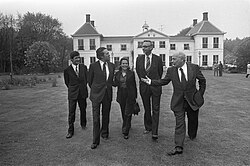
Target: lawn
x=33 y=126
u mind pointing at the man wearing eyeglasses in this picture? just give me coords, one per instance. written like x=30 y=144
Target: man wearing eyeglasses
x=150 y=65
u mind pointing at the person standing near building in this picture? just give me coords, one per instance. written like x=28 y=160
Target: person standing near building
x=75 y=78
x=100 y=81
x=220 y=68
x=124 y=80
x=248 y=69
x=185 y=98
x=215 y=67
x=150 y=65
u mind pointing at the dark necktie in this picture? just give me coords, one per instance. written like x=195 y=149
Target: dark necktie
x=104 y=71
x=147 y=64
x=183 y=79
x=77 y=72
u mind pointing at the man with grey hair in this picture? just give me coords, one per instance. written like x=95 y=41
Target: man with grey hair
x=185 y=98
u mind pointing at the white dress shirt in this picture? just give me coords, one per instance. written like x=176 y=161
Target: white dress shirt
x=74 y=67
x=184 y=68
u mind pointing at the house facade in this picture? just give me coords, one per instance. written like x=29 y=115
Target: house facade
x=203 y=44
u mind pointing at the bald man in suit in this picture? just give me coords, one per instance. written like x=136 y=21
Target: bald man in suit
x=185 y=99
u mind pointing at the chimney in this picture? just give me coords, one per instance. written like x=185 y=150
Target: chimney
x=93 y=23
x=205 y=16
x=88 y=18
x=194 y=22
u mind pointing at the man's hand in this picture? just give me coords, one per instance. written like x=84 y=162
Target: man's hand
x=146 y=80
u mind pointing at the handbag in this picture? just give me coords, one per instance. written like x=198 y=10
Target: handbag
x=136 y=108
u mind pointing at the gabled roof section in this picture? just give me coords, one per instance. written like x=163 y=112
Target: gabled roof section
x=118 y=38
x=181 y=38
x=204 y=28
x=151 y=31
x=86 y=30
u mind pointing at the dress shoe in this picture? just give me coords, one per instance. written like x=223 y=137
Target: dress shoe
x=176 y=150
x=146 y=131
x=125 y=136
x=192 y=138
x=154 y=137
x=69 y=135
x=93 y=146
x=105 y=138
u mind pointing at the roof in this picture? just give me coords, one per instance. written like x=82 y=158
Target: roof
x=181 y=38
x=115 y=38
x=204 y=28
x=86 y=30
x=151 y=30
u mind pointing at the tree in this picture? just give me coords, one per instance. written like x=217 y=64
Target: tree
x=41 y=57
x=40 y=27
x=7 y=35
x=243 y=54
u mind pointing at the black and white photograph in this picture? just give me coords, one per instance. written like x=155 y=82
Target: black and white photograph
x=125 y=82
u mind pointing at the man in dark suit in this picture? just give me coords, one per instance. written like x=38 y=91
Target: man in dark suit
x=150 y=65
x=186 y=98
x=75 y=77
x=100 y=81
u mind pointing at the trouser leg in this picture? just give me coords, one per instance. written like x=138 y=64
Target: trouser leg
x=82 y=104
x=106 y=105
x=96 y=122
x=71 y=116
x=180 y=128
x=147 y=113
x=155 y=114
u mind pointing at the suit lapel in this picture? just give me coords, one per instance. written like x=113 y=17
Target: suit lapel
x=71 y=69
x=189 y=72
x=129 y=74
x=176 y=75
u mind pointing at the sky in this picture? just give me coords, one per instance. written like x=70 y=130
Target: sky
x=126 y=17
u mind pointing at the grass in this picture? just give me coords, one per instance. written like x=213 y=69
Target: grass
x=33 y=126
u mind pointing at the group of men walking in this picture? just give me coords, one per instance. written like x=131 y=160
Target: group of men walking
x=186 y=97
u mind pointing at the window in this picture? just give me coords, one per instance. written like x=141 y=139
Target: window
x=80 y=44
x=170 y=61
x=92 y=44
x=186 y=46
x=204 y=42
x=92 y=59
x=109 y=47
x=163 y=58
x=123 y=47
x=140 y=44
x=162 y=44
x=116 y=59
x=216 y=42
x=153 y=44
x=82 y=60
x=172 y=46
x=215 y=59
x=204 y=60
x=189 y=59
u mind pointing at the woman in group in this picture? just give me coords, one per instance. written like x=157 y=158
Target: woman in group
x=126 y=94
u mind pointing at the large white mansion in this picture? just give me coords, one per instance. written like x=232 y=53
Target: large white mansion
x=203 y=44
